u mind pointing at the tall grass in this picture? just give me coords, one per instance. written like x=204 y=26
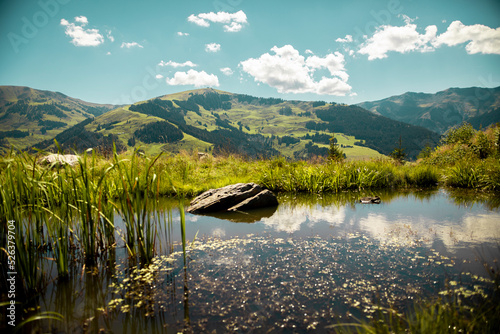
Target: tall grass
x=334 y=177
x=138 y=185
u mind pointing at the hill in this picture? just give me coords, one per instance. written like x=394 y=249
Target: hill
x=210 y=120
x=438 y=112
x=28 y=115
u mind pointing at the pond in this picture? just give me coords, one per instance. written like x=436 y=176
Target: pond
x=309 y=264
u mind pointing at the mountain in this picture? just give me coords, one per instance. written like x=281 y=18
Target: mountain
x=210 y=120
x=438 y=112
x=28 y=115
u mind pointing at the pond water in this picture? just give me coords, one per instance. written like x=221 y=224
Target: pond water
x=309 y=264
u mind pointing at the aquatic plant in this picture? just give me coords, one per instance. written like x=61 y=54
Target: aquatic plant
x=135 y=205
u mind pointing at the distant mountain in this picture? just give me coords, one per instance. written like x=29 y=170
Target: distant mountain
x=28 y=115
x=210 y=120
x=438 y=112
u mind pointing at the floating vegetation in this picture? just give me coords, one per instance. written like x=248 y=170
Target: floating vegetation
x=261 y=283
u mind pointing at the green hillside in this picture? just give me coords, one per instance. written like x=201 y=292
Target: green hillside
x=217 y=122
x=28 y=116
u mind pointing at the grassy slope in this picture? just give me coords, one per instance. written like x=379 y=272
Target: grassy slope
x=264 y=120
x=15 y=121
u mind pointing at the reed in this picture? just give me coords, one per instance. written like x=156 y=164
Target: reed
x=137 y=187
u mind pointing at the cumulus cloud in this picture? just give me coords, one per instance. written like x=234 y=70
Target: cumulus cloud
x=233 y=22
x=480 y=38
x=403 y=39
x=289 y=72
x=175 y=64
x=131 y=45
x=212 y=47
x=226 y=71
x=82 y=19
x=180 y=33
x=192 y=77
x=398 y=39
x=346 y=39
x=81 y=36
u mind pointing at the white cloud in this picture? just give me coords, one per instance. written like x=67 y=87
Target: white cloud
x=398 y=39
x=131 y=45
x=159 y=76
x=79 y=35
x=289 y=72
x=482 y=39
x=108 y=53
x=110 y=37
x=226 y=71
x=180 y=33
x=82 y=19
x=346 y=39
x=479 y=39
x=212 y=47
x=175 y=64
x=309 y=52
x=192 y=77
x=233 y=22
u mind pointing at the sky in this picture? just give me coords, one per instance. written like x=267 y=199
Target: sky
x=121 y=52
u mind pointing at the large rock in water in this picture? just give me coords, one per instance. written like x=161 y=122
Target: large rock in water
x=240 y=196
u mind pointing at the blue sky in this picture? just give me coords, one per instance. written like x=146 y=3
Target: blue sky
x=110 y=51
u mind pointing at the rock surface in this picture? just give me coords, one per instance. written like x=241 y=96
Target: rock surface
x=240 y=196
x=60 y=159
x=263 y=199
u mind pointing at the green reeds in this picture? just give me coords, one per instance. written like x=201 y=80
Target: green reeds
x=136 y=205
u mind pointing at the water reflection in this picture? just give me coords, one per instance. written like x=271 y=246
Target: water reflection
x=250 y=216
x=423 y=217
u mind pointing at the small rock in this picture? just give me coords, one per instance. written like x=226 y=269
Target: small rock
x=370 y=200
x=60 y=159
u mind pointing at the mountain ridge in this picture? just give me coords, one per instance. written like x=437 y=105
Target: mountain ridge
x=441 y=110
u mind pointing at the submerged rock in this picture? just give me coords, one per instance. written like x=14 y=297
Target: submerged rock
x=370 y=200
x=240 y=196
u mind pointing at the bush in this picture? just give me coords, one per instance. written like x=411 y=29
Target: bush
x=459 y=135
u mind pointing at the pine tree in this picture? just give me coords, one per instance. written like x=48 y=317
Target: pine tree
x=335 y=153
x=399 y=152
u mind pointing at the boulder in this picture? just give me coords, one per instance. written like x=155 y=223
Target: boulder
x=370 y=200
x=60 y=159
x=230 y=197
x=262 y=200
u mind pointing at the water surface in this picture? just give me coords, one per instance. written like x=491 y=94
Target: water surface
x=307 y=265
